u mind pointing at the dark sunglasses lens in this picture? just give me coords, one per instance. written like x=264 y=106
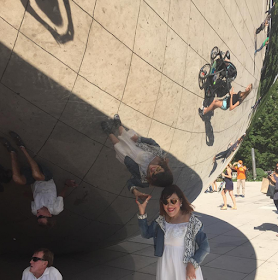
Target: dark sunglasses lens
x=174 y=201
x=35 y=259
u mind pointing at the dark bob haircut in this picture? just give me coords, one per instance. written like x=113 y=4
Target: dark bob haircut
x=186 y=207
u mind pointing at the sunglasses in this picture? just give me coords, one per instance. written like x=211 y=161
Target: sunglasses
x=172 y=201
x=41 y=217
x=157 y=171
x=35 y=259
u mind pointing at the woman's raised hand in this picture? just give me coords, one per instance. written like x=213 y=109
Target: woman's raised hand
x=142 y=206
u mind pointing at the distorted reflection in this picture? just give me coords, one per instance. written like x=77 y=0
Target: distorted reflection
x=143 y=157
x=225 y=154
x=44 y=11
x=45 y=202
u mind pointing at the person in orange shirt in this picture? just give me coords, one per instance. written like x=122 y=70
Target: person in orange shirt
x=241 y=176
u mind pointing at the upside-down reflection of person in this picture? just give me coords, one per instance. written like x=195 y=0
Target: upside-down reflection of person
x=175 y=232
x=225 y=154
x=143 y=157
x=44 y=200
x=230 y=102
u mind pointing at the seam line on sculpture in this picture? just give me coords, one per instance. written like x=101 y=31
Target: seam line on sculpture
x=12 y=50
x=132 y=53
x=238 y=32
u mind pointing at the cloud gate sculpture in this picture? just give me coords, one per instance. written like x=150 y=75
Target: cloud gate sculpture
x=66 y=66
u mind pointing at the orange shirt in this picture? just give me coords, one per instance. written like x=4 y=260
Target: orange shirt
x=241 y=172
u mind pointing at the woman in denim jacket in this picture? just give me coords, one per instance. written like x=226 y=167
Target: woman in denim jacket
x=142 y=156
x=178 y=236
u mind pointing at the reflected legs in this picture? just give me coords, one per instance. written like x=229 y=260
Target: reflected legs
x=36 y=172
x=17 y=176
x=214 y=105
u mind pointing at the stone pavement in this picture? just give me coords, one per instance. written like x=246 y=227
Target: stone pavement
x=243 y=245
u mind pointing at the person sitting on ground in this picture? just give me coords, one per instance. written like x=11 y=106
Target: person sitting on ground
x=143 y=157
x=230 y=102
x=229 y=186
x=265 y=43
x=41 y=267
x=45 y=202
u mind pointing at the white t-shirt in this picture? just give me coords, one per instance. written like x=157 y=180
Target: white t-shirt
x=45 y=194
x=50 y=273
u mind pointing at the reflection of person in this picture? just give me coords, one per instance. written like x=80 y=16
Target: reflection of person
x=265 y=22
x=229 y=186
x=142 y=156
x=230 y=102
x=274 y=179
x=270 y=11
x=241 y=176
x=46 y=203
x=265 y=43
x=262 y=26
x=225 y=154
x=175 y=233
x=41 y=267
x=52 y=11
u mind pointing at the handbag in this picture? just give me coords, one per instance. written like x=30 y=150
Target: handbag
x=270 y=191
x=221 y=186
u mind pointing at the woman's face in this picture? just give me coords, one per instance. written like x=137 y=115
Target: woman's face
x=155 y=169
x=173 y=205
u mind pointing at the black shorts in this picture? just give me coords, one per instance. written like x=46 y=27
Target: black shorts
x=27 y=173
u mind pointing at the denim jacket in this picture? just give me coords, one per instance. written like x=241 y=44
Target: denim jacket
x=196 y=245
x=133 y=167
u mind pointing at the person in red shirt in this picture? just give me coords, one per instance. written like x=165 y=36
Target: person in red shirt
x=241 y=176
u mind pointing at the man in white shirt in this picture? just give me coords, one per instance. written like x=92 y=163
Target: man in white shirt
x=45 y=202
x=41 y=267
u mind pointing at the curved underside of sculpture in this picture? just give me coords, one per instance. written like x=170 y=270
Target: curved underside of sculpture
x=66 y=66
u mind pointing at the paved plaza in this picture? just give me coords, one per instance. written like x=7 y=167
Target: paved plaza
x=243 y=245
